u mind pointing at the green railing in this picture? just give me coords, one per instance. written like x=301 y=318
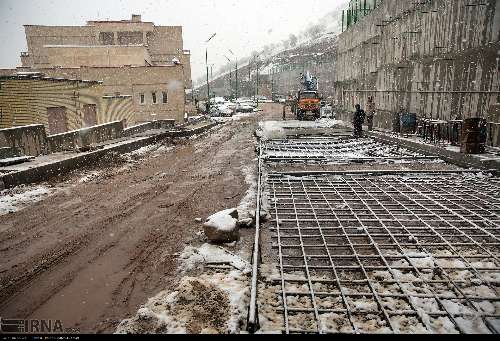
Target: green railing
x=356 y=11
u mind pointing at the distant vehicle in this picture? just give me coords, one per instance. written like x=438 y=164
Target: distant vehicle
x=263 y=99
x=327 y=112
x=217 y=100
x=225 y=111
x=247 y=101
x=244 y=108
x=231 y=105
x=308 y=99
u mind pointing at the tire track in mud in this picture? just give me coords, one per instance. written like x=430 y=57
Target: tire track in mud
x=151 y=218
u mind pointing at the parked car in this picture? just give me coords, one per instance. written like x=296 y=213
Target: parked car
x=244 y=107
x=217 y=100
x=224 y=110
x=247 y=101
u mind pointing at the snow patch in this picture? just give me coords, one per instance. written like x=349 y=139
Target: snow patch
x=206 y=304
x=13 y=200
x=222 y=221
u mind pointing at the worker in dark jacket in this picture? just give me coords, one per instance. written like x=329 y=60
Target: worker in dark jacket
x=358 y=120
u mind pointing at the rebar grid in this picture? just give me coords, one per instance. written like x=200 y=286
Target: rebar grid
x=337 y=150
x=390 y=254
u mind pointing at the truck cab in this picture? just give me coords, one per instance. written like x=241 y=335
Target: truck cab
x=308 y=103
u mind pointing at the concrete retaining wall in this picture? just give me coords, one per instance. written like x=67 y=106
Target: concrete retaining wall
x=438 y=59
x=31 y=139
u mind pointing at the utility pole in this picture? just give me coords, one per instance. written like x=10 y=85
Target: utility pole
x=236 y=71
x=207 y=106
x=230 y=78
x=272 y=84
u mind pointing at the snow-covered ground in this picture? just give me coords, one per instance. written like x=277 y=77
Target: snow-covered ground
x=211 y=302
x=271 y=130
x=13 y=200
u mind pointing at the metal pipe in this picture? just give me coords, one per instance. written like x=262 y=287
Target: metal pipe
x=379 y=172
x=253 y=313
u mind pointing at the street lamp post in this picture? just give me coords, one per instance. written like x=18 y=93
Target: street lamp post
x=208 y=81
x=236 y=73
x=230 y=77
x=257 y=80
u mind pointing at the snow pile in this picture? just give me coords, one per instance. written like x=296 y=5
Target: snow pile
x=89 y=177
x=246 y=208
x=207 y=304
x=13 y=200
x=224 y=221
x=222 y=227
x=194 y=260
x=271 y=130
x=275 y=130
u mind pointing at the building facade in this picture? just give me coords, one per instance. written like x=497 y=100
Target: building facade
x=131 y=58
x=106 y=44
x=60 y=104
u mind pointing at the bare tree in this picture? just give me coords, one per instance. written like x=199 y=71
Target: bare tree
x=293 y=40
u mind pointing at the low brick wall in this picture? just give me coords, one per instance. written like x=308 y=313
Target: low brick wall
x=31 y=139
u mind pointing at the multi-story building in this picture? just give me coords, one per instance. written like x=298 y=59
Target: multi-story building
x=106 y=44
x=131 y=58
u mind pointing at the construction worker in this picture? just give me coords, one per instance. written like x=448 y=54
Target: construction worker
x=370 y=112
x=358 y=120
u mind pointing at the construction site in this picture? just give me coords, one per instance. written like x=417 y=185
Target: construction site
x=309 y=215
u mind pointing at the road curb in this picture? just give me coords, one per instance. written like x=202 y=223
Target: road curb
x=462 y=160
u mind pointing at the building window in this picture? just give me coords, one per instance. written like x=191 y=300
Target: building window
x=142 y=98
x=107 y=38
x=165 y=97
x=153 y=94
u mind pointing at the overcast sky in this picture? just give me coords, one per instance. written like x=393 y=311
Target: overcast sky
x=243 y=26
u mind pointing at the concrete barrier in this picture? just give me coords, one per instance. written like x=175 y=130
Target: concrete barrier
x=8 y=152
x=63 y=142
x=163 y=124
x=138 y=129
x=59 y=167
x=85 y=137
x=101 y=133
x=30 y=139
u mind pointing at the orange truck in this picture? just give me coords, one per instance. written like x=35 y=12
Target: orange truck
x=308 y=103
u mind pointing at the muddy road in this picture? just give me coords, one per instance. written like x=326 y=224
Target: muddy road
x=91 y=254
